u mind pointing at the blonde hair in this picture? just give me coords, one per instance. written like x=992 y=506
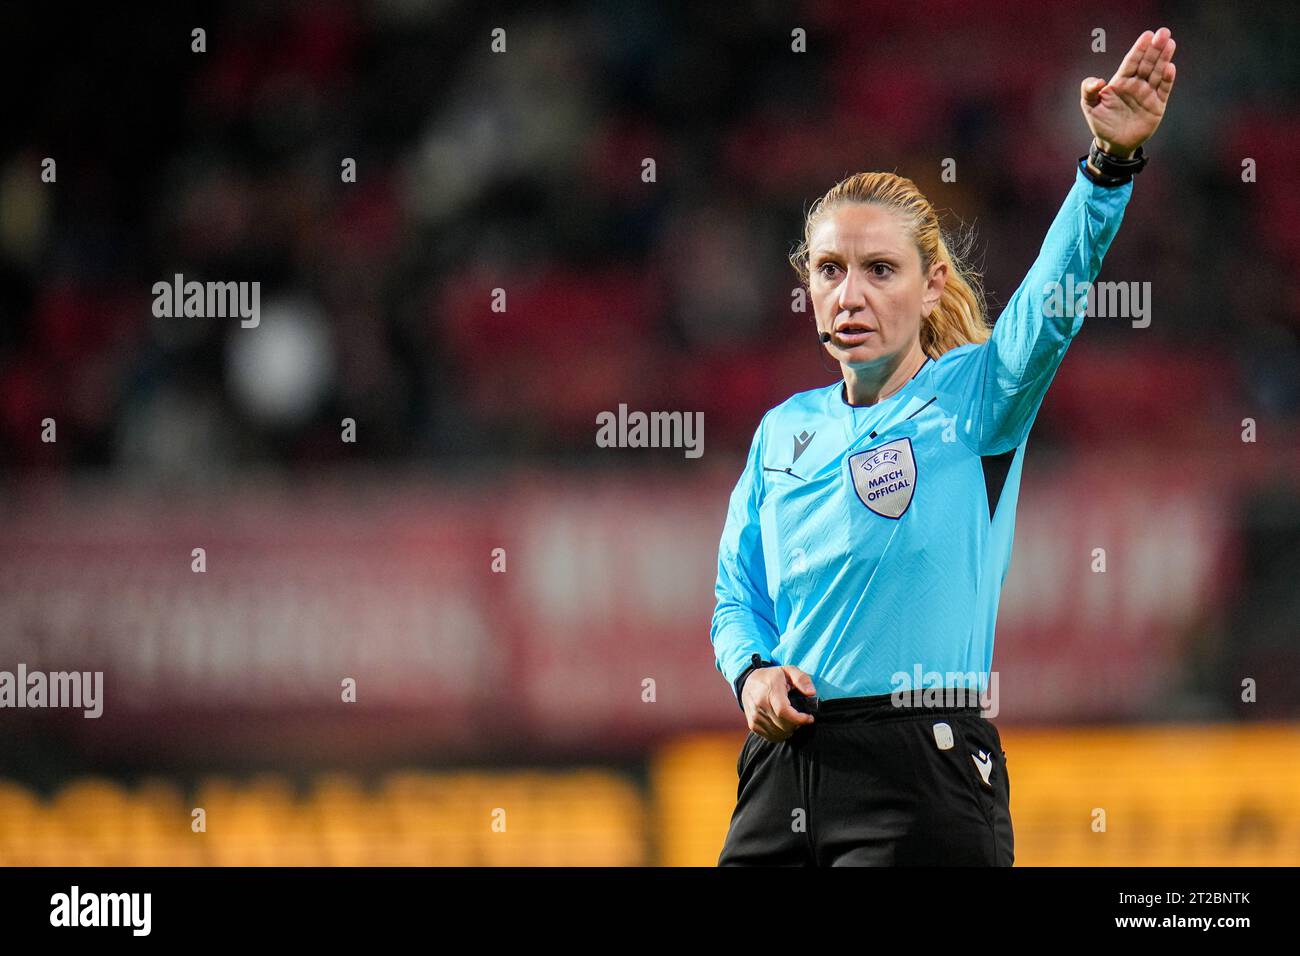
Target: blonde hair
x=960 y=316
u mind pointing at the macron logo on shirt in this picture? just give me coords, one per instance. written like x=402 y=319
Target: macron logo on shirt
x=801 y=443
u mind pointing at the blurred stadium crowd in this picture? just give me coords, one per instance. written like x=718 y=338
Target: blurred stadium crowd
x=521 y=171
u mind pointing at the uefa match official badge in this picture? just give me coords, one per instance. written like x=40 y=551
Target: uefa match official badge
x=885 y=477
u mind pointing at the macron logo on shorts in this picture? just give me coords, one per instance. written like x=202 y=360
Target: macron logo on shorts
x=985 y=765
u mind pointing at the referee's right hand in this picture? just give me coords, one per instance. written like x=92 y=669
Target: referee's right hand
x=766 y=698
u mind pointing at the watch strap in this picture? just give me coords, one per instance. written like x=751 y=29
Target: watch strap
x=755 y=662
x=1107 y=170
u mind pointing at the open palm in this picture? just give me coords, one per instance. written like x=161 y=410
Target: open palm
x=1123 y=113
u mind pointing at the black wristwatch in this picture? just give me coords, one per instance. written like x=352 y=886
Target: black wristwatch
x=755 y=663
x=1111 y=170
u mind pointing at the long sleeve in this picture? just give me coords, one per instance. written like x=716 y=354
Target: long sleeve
x=744 y=618
x=1007 y=377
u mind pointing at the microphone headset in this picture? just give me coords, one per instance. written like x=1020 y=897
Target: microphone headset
x=825 y=337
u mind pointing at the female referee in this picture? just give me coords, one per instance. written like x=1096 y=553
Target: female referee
x=869 y=534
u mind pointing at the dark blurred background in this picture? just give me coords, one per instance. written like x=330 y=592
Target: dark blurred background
x=521 y=171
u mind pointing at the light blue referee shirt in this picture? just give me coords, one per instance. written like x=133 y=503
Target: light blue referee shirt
x=866 y=542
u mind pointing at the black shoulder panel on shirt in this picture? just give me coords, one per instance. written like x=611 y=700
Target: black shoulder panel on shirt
x=996 y=468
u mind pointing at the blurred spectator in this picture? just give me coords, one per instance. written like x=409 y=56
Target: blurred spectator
x=523 y=171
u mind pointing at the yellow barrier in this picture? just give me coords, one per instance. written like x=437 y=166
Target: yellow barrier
x=1168 y=795
x=1178 y=795
x=576 y=818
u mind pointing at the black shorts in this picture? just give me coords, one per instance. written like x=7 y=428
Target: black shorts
x=872 y=784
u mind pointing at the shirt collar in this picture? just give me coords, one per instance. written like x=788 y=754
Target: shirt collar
x=840 y=399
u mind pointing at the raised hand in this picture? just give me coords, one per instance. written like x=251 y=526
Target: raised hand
x=1123 y=113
